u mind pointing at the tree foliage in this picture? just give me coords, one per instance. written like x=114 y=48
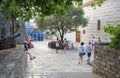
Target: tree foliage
x=115 y=31
x=97 y=3
x=28 y=8
x=72 y=19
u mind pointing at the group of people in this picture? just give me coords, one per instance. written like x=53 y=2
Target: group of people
x=58 y=45
x=88 y=49
x=83 y=49
x=66 y=45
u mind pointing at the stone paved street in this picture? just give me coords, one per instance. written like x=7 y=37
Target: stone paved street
x=48 y=64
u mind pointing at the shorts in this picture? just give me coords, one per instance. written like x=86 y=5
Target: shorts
x=65 y=45
x=57 y=48
x=89 y=54
x=81 y=54
x=93 y=45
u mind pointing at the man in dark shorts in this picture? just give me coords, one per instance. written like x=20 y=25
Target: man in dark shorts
x=89 y=51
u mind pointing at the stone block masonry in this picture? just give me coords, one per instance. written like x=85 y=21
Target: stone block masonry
x=108 y=13
x=106 y=62
x=13 y=63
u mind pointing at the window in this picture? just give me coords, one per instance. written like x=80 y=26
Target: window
x=98 y=24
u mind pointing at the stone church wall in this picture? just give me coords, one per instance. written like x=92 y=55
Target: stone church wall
x=108 y=13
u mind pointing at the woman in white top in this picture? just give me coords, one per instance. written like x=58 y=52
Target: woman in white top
x=81 y=52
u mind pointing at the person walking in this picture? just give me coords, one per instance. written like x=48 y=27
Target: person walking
x=81 y=52
x=57 y=46
x=89 y=51
x=65 y=45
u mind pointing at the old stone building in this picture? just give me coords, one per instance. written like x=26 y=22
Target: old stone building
x=108 y=13
x=106 y=59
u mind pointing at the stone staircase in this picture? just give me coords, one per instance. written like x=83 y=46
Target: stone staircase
x=62 y=75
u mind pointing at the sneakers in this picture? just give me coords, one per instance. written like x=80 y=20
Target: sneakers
x=32 y=58
x=56 y=52
x=88 y=61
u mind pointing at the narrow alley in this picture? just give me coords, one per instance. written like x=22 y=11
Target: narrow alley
x=48 y=64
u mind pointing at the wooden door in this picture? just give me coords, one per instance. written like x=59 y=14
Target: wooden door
x=77 y=36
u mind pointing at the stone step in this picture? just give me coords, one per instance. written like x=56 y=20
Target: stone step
x=63 y=75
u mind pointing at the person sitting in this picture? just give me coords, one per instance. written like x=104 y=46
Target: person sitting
x=30 y=44
x=26 y=50
x=70 y=45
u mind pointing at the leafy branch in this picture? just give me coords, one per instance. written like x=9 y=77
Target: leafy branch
x=115 y=31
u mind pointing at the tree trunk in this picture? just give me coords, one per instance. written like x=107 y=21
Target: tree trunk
x=61 y=36
x=0 y=2
x=13 y=24
x=62 y=29
x=61 y=33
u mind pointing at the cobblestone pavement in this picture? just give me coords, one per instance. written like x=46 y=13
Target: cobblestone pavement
x=48 y=64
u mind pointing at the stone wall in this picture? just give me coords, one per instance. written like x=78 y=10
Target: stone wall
x=13 y=63
x=108 y=13
x=5 y=27
x=106 y=62
x=23 y=35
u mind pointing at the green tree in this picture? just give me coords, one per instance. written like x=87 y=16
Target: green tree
x=29 y=8
x=115 y=32
x=10 y=11
x=25 y=9
x=97 y=3
x=61 y=24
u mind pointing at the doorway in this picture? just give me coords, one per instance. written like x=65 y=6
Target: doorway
x=77 y=36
